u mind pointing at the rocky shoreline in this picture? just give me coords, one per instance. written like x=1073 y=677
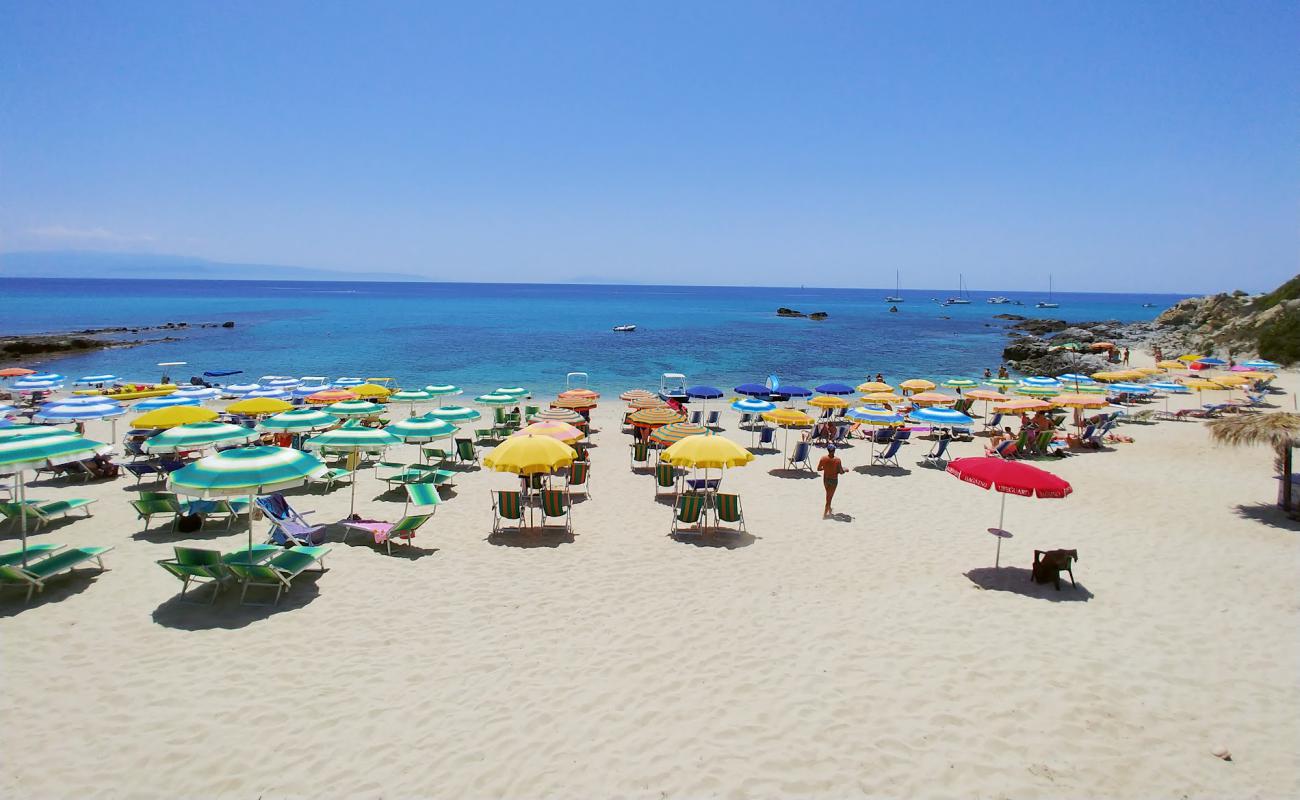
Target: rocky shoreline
x=53 y=345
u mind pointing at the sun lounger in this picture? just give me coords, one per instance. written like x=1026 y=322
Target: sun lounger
x=421 y=494
x=465 y=452
x=726 y=509
x=666 y=477
x=331 y=476
x=279 y=572
x=556 y=504
x=34 y=575
x=209 y=567
x=507 y=506
x=419 y=473
x=34 y=552
x=41 y=513
x=688 y=510
x=385 y=532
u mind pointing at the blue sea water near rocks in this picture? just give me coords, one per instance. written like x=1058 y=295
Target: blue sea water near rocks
x=482 y=335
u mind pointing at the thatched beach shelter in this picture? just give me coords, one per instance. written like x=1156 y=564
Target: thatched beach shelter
x=1279 y=430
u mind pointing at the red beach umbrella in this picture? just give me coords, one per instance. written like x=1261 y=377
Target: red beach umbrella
x=1008 y=477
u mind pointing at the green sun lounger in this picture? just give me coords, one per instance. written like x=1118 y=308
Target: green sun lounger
x=34 y=552
x=332 y=476
x=40 y=513
x=279 y=572
x=34 y=575
x=421 y=494
x=209 y=567
x=418 y=473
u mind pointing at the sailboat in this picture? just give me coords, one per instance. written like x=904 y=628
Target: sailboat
x=897 y=296
x=963 y=297
x=1048 y=302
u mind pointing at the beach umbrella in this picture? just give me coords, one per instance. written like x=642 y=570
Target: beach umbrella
x=940 y=416
x=200 y=393
x=417 y=430
x=1168 y=364
x=6 y=409
x=875 y=415
x=1229 y=379
x=1202 y=385
x=932 y=399
x=1279 y=430
x=654 y=417
x=1211 y=362
x=1075 y=379
x=259 y=407
x=196 y=435
x=874 y=386
x=100 y=407
x=86 y=380
x=411 y=396
x=704 y=393
x=35 y=384
x=636 y=394
x=789 y=392
x=706 y=452
x=353 y=408
x=1129 y=388
x=529 y=455
x=518 y=392
x=164 y=418
x=299 y=420
x=1148 y=371
x=1021 y=405
x=241 y=388
x=305 y=390
x=986 y=395
x=166 y=401
x=1037 y=391
x=283 y=382
x=441 y=390
x=834 y=389
x=1041 y=380
x=1168 y=388
x=245 y=471
x=916 y=385
x=1008 y=477
x=456 y=414
x=40 y=451
x=352 y=438
x=1001 y=383
x=330 y=396
x=267 y=392
x=788 y=418
x=586 y=394
x=647 y=402
x=494 y=399
x=26 y=431
x=48 y=377
x=883 y=397
x=347 y=382
x=753 y=390
x=753 y=406
x=559 y=415
x=827 y=401
x=1257 y=375
x=676 y=431
x=560 y=431
x=1261 y=363
x=1079 y=401
x=960 y=383
x=364 y=390
x=579 y=402
x=16 y=372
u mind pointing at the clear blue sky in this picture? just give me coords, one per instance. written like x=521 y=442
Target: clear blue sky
x=1143 y=146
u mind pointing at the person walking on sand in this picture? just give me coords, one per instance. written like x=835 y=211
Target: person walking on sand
x=831 y=469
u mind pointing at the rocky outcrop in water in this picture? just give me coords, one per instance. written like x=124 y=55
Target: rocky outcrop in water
x=87 y=339
x=790 y=312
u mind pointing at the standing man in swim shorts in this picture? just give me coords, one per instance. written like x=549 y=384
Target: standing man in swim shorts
x=831 y=469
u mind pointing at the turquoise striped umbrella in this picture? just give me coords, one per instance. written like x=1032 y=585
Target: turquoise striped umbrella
x=495 y=399
x=246 y=471
x=353 y=408
x=300 y=420
x=411 y=396
x=196 y=435
x=512 y=391
x=352 y=438
x=1041 y=380
x=960 y=383
x=421 y=429
x=37 y=451
x=24 y=431
x=454 y=414
x=346 y=382
x=441 y=390
x=1038 y=391
x=941 y=416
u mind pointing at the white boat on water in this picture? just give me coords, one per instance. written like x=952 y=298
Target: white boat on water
x=999 y=301
x=624 y=328
x=1048 y=303
x=897 y=296
x=963 y=296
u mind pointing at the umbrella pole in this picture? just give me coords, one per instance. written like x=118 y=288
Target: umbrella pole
x=1002 y=513
x=22 y=513
x=250 y=527
x=352 y=507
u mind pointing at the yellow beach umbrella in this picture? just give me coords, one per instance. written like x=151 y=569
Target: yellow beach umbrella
x=1149 y=370
x=1201 y=385
x=1190 y=357
x=1167 y=364
x=883 y=397
x=370 y=390
x=916 y=385
x=173 y=416
x=1231 y=379
x=788 y=418
x=1256 y=375
x=707 y=452
x=875 y=386
x=259 y=406
x=826 y=401
x=527 y=455
x=1079 y=401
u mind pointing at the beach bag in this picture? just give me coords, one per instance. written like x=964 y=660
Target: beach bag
x=189 y=523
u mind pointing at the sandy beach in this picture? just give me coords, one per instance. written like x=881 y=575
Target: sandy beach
x=876 y=654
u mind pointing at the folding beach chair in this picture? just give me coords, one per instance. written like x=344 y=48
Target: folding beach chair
x=421 y=494
x=992 y=423
x=507 y=506
x=555 y=504
x=640 y=454
x=288 y=527
x=666 y=477
x=713 y=420
x=40 y=513
x=579 y=477
x=696 y=416
x=34 y=552
x=279 y=572
x=465 y=452
x=688 y=509
x=766 y=438
x=436 y=454
x=403 y=529
x=33 y=576
x=801 y=456
x=726 y=508
x=888 y=456
x=938 y=455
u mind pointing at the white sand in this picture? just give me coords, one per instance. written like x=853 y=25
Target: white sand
x=817 y=658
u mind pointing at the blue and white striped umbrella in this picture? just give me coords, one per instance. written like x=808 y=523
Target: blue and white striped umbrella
x=84 y=400
x=1261 y=363
x=199 y=393
x=940 y=416
x=346 y=382
x=875 y=415
x=89 y=379
x=166 y=401
x=281 y=383
x=31 y=384
x=305 y=390
x=52 y=377
x=241 y=388
x=267 y=391
x=1076 y=379
x=1214 y=362
x=752 y=405
x=6 y=409
x=1175 y=388
x=1042 y=382
x=78 y=412
x=1130 y=388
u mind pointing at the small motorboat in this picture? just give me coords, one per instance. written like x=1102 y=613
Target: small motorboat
x=999 y=301
x=624 y=328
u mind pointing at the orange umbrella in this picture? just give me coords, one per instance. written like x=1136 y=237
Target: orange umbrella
x=1021 y=404
x=636 y=394
x=933 y=399
x=331 y=396
x=573 y=402
x=654 y=417
x=585 y=394
x=985 y=394
x=648 y=402
x=15 y=372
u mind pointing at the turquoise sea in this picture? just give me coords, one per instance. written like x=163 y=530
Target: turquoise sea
x=486 y=335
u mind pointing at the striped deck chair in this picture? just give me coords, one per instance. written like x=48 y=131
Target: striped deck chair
x=34 y=575
x=421 y=494
x=666 y=478
x=555 y=504
x=688 y=509
x=580 y=477
x=507 y=506
x=726 y=508
x=640 y=454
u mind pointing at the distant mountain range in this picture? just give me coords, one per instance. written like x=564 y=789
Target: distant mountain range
x=97 y=264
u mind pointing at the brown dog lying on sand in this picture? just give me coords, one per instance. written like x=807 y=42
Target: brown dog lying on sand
x=1048 y=565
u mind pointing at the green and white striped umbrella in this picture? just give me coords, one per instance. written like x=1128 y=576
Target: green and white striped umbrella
x=198 y=434
x=495 y=399
x=1037 y=391
x=353 y=408
x=37 y=451
x=454 y=414
x=411 y=396
x=512 y=391
x=352 y=438
x=300 y=420
x=421 y=429
x=960 y=383
x=27 y=431
x=246 y=471
x=441 y=390
x=1001 y=382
